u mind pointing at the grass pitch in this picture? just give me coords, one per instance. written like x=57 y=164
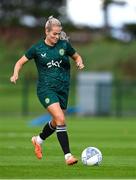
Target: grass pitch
x=115 y=137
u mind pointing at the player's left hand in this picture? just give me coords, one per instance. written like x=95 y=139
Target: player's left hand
x=80 y=65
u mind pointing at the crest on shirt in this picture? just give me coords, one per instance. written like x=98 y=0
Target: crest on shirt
x=61 y=52
x=47 y=100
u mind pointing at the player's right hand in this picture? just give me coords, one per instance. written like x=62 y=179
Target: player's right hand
x=14 y=78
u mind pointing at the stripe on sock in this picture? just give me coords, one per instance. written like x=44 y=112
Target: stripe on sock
x=61 y=128
x=51 y=126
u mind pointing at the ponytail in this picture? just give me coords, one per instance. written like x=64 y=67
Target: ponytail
x=55 y=22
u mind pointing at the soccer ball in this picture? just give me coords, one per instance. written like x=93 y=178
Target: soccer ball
x=91 y=156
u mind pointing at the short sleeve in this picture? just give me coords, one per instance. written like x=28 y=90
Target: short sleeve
x=70 y=50
x=30 y=53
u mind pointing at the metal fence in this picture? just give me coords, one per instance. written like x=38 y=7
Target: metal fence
x=124 y=98
x=21 y=98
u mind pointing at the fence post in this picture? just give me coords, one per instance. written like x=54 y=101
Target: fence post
x=119 y=98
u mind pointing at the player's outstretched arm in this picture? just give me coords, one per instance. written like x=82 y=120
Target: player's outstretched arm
x=17 y=68
x=78 y=60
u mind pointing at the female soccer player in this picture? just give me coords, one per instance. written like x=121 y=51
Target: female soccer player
x=51 y=56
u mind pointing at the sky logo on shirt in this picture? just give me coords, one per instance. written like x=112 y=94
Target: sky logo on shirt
x=55 y=64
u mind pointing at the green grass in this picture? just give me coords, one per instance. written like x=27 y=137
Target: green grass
x=104 y=55
x=114 y=137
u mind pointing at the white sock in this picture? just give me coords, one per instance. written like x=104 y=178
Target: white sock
x=67 y=155
x=39 y=140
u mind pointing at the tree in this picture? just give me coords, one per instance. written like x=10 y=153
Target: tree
x=13 y=10
x=105 y=5
x=131 y=29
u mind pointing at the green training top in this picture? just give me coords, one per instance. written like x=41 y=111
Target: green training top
x=52 y=61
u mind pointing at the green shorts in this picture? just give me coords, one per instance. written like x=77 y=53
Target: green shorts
x=50 y=96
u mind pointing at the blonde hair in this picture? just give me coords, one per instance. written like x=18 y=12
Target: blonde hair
x=55 y=22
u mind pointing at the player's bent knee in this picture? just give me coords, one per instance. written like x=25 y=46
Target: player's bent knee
x=59 y=120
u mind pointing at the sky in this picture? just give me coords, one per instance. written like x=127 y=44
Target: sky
x=89 y=12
